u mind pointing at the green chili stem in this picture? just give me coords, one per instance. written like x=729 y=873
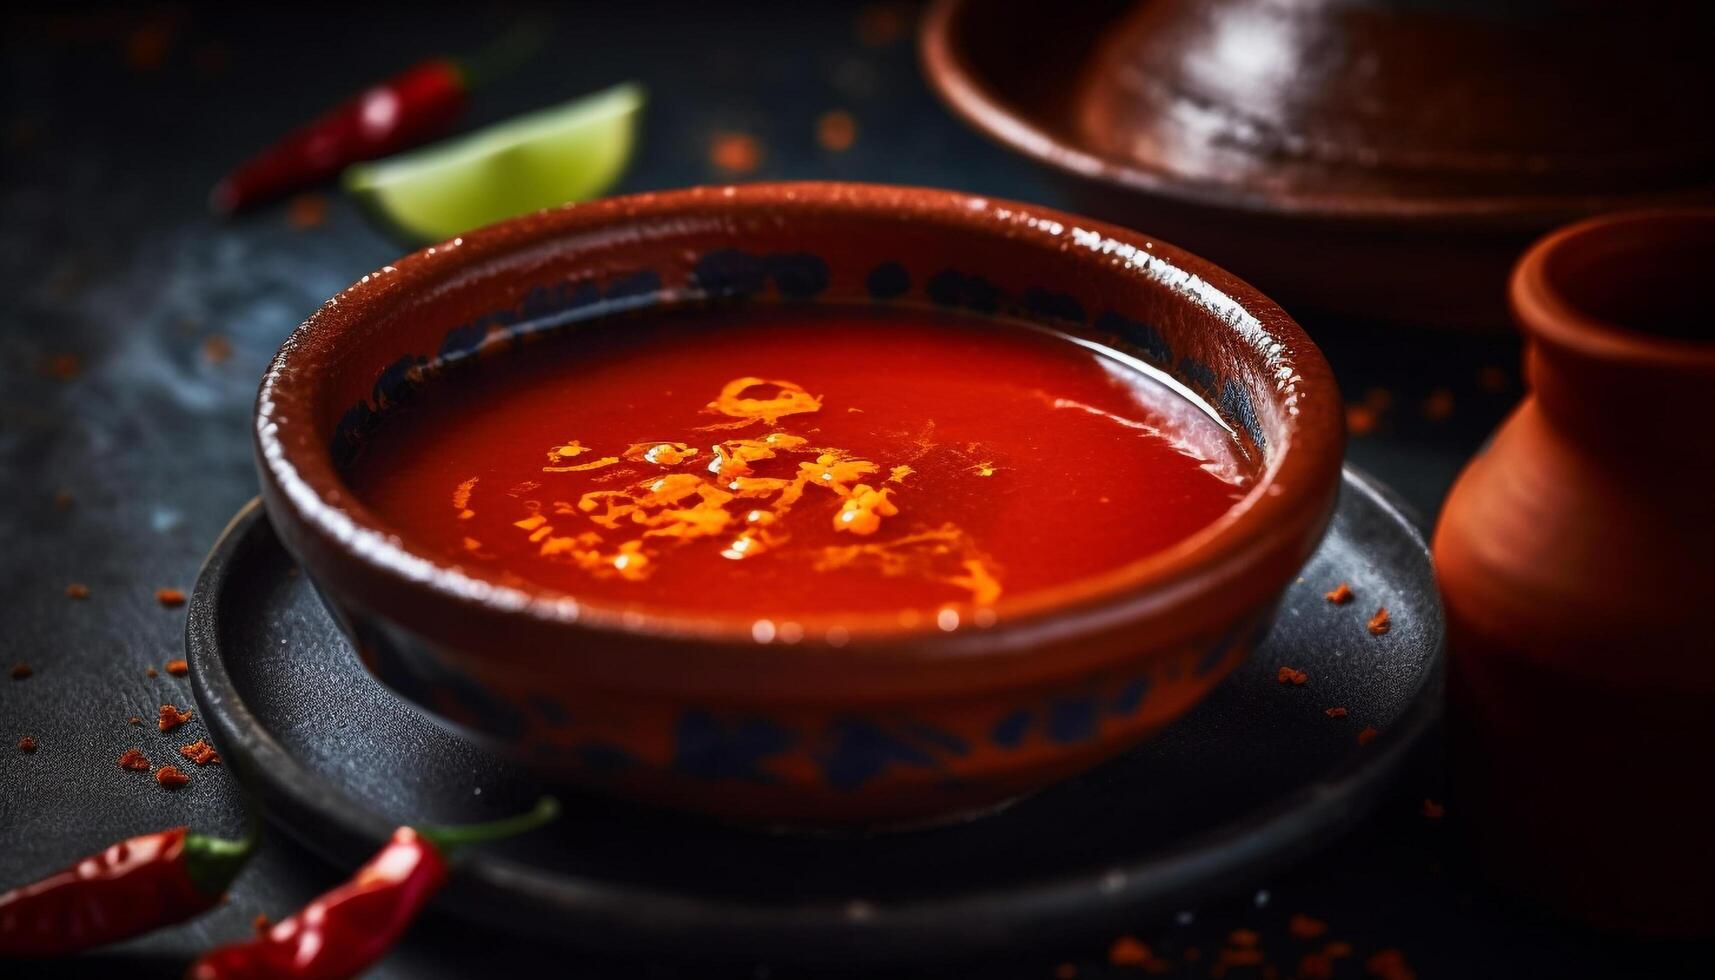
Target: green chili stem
x=212 y=862
x=448 y=837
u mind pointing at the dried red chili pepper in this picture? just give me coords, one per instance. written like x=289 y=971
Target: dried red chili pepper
x=416 y=105
x=345 y=931
x=132 y=887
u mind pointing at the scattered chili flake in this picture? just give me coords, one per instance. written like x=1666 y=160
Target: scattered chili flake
x=261 y=924
x=170 y=597
x=135 y=720
x=178 y=668
x=836 y=130
x=216 y=349
x=1438 y=406
x=1243 y=938
x=135 y=760
x=77 y=590
x=21 y=670
x=1288 y=675
x=172 y=777
x=201 y=753
x=1367 y=735
x=1433 y=810
x=1339 y=595
x=63 y=499
x=1065 y=971
x=881 y=24
x=1361 y=420
x=1129 y=951
x=150 y=673
x=1380 y=623
x=307 y=211
x=735 y=152
x=1492 y=378
x=26 y=744
x=1389 y=964
x=172 y=717
x=1336 y=712
x=1304 y=927
x=146 y=47
x=63 y=367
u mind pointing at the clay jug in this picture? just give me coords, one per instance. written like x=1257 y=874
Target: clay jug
x=1577 y=559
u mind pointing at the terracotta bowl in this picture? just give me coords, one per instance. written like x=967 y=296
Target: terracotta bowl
x=1377 y=160
x=865 y=723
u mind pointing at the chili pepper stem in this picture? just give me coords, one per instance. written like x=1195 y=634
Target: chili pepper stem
x=213 y=862
x=447 y=838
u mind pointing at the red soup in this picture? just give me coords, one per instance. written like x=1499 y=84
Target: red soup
x=804 y=462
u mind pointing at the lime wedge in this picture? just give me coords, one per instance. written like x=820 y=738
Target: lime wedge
x=569 y=152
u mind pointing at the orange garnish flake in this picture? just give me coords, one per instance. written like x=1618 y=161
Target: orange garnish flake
x=26 y=744
x=899 y=473
x=1289 y=675
x=178 y=668
x=1368 y=735
x=1339 y=595
x=172 y=717
x=135 y=760
x=1380 y=623
x=216 y=349
x=171 y=777
x=1336 y=712
x=461 y=498
x=1302 y=926
x=660 y=453
x=863 y=510
x=77 y=590
x=201 y=753
x=170 y=598
x=1129 y=951
x=1433 y=810
x=21 y=670
x=791 y=399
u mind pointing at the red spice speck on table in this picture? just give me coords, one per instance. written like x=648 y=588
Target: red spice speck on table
x=135 y=760
x=1304 y=927
x=1129 y=951
x=21 y=670
x=1336 y=712
x=1368 y=734
x=26 y=744
x=1339 y=595
x=77 y=590
x=172 y=717
x=1389 y=964
x=170 y=597
x=171 y=777
x=178 y=668
x=201 y=753
x=1380 y=623
x=151 y=673
x=1289 y=675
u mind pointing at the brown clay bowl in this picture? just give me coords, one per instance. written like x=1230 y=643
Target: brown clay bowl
x=881 y=723
x=1377 y=160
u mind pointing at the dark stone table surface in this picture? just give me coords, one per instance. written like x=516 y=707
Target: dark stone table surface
x=134 y=327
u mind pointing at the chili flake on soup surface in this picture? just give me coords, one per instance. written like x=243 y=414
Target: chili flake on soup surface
x=799 y=462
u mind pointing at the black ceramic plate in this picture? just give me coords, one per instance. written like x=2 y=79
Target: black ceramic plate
x=1256 y=776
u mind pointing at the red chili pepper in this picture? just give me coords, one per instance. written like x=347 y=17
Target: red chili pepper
x=412 y=107
x=348 y=929
x=132 y=887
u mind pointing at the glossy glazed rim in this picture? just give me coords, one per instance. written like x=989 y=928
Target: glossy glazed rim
x=968 y=94
x=1293 y=491
x=1549 y=315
